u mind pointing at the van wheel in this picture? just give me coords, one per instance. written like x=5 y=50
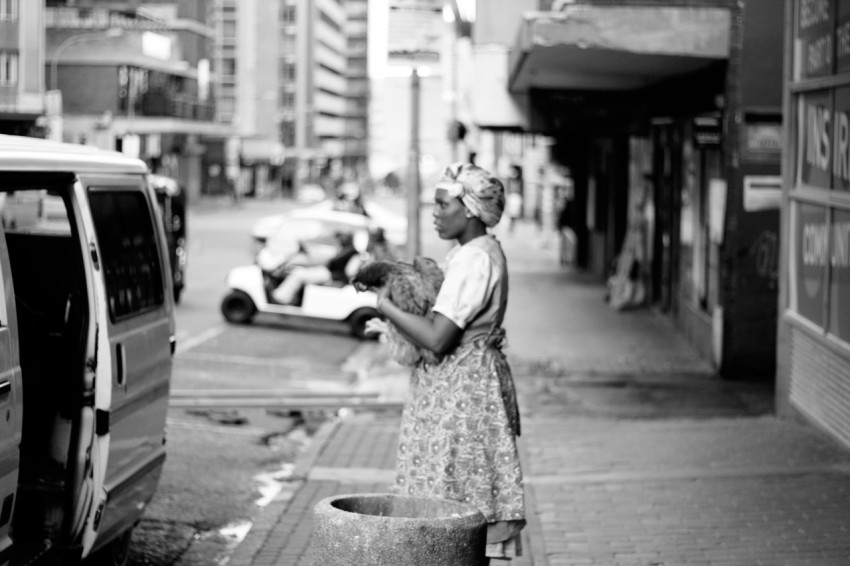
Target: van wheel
x=115 y=553
x=238 y=307
x=357 y=323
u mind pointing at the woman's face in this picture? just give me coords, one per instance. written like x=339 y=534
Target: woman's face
x=450 y=218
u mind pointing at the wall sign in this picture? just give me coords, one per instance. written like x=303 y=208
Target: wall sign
x=839 y=300
x=815 y=38
x=815 y=144
x=762 y=192
x=763 y=137
x=707 y=131
x=811 y=255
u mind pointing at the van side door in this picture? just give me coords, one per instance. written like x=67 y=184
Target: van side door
x=11 y=402
x=140 y=326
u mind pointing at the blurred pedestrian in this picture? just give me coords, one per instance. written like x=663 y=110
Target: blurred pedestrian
x=349 y=199
x=339 y=268
x=567 y=239
x=378 y=248
x=514 y=198
x=459 y=427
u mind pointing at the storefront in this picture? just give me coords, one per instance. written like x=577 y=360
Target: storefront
x=670 y=120
x=813 y=374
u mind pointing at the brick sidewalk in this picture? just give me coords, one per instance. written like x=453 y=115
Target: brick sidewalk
x=633 y=453
x=729 y=491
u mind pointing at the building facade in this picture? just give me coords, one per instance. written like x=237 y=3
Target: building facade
x=21 y=62
x=136 y=79
x=668 y=116
x=813 y=377
x=314 y=86
x=356 y=141
x=247 y=57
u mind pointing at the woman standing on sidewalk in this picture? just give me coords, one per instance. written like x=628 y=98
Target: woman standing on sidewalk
x=459 y=427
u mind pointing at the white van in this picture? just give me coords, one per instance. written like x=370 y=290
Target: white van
x=86 y=339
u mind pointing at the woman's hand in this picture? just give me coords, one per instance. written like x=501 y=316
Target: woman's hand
x=376 y=326
x=382 y=298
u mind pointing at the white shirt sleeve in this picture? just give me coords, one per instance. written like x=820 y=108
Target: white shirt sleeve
x=466 y=287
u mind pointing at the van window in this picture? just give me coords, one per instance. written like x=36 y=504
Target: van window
x=129 y=251
x=34 y=211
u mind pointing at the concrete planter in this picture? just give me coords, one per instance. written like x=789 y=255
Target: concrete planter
x=380 y=529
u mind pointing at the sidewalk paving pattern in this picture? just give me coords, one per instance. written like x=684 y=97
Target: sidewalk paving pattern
x=633 y=453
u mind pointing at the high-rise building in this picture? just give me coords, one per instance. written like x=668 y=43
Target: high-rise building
x=321 y=89
x=248 y=45
x=357 y=73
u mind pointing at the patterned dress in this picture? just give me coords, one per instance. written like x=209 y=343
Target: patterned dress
x=460 y=423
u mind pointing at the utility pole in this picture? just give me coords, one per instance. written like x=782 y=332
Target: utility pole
x=414 y=187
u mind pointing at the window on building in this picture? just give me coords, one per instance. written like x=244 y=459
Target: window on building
x=288 y=71
x=129 y=251
x=228 y=67
x=288 y=44
x=287 y=14
x=287 y=100
x=8 y=68
x=228 y=29
x=8 y=9
x=287 y=133
x=226 y=106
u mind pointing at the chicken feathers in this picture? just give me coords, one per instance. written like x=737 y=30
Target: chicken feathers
x=411 y=287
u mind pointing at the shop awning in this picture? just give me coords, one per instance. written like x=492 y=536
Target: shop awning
x=615 y=47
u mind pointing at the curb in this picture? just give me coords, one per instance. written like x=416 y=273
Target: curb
x=246 y=551
x=307 y=459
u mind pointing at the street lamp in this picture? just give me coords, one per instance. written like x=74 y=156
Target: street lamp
x=79 y=38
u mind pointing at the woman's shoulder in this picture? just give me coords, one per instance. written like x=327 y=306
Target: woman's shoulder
x=480 y=253
x=470 y=251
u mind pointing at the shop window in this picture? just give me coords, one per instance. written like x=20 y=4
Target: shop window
x=129 y=252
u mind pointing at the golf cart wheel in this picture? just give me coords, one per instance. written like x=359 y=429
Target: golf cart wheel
x=238 y=307
x=357 y=322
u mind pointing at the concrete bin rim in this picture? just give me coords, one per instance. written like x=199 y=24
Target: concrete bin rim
x=466 y=513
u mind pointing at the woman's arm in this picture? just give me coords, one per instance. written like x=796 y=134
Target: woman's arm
x=438 y=333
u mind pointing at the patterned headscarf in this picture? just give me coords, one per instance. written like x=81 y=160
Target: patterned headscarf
x=481 y=193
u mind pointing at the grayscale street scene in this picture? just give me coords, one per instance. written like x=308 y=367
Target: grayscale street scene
x=425 y=282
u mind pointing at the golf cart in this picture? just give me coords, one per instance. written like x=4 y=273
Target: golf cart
x=250 y=292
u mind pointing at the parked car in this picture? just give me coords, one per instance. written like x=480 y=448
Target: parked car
x=393 y=224
x=87 y=334
x=172 y=206
x=312 y=232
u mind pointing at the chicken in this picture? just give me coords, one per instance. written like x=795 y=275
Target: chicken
x=413 y=288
